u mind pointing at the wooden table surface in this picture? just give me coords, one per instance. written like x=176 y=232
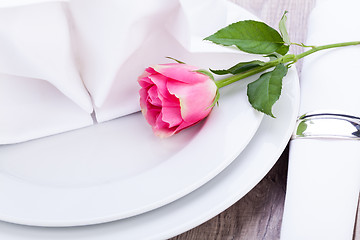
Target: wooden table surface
x=258 y=214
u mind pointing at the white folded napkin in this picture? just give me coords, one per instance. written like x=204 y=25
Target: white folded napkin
x=41 y=91
x=324 y=175
x=60 y=61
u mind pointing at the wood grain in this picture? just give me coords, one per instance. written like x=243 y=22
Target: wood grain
x=258 y=214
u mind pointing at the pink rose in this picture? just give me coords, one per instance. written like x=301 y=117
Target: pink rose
x=175 y=96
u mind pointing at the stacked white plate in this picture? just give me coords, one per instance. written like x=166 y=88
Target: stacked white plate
x=115 y=180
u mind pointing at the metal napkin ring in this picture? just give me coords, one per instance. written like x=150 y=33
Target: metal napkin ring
x=330 y=124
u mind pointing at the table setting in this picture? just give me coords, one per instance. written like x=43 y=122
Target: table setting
x=79 y=161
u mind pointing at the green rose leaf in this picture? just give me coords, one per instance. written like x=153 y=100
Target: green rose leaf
x=273 y=56
x=176 y=60
x=282 y=28
x=283 y=49
x=265 y=91
x=239 y=68
x=249 y=36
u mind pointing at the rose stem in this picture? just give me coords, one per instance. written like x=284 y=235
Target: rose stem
x=289 y=58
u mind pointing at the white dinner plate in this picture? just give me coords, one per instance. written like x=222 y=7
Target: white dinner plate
x=119 y=169
x=200 y=205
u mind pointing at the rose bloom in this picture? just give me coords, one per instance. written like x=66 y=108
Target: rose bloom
x=175 y=96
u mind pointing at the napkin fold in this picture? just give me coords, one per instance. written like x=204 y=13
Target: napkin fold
x=61 y=61
x=41 y=91
x=324 y=174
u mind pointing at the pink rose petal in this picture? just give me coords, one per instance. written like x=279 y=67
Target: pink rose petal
x=160 y=81
x=154 y=96
x=183 y=126
x=171 y=115
x=195 y=100
x=152 y=115
x=161 y=128
x=181 y=72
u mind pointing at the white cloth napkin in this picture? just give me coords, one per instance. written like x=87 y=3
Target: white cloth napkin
x=62 y=60
x=324 y=175
x=41 y=91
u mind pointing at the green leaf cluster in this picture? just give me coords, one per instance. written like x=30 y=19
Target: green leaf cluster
x=257 y=38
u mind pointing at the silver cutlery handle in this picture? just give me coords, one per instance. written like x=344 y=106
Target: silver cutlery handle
x=327 y=124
